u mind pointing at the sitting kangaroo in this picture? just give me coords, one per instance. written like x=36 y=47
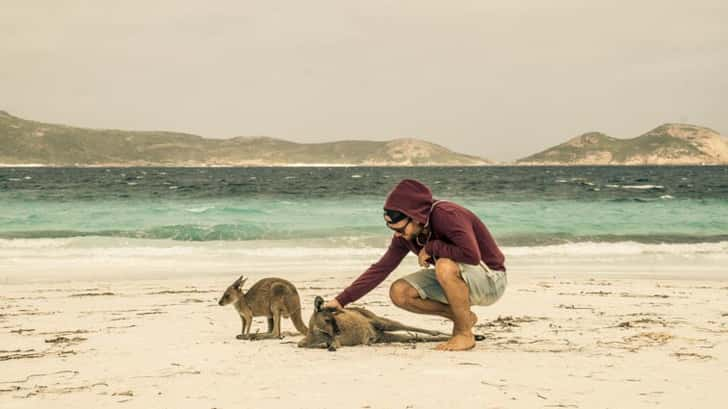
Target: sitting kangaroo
x=270 y=297
x=332 y=328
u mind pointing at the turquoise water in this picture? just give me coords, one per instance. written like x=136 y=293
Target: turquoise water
x=521 y=206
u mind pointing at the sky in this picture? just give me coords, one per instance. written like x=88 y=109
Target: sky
x=501 y=79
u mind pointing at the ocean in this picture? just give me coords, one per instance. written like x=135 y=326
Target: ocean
x=320 y=212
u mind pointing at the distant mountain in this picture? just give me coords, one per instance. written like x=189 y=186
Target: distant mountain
x=669 y=144
x=30 y=142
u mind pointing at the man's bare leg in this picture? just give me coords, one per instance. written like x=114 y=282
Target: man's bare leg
x=406 y=297
x=458 y=297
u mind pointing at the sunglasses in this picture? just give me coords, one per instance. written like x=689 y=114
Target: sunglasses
x=400 y=230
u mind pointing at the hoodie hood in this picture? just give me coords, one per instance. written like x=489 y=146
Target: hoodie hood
x=412 y=198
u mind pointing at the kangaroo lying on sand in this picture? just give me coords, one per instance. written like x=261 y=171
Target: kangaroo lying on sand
x=270 y=297
x=332 y=328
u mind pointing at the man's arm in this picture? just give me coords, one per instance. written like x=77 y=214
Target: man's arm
x=376 y=273
x=459 y=230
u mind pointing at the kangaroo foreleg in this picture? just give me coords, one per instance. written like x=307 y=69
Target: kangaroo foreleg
x=244 y=324
x=248 y=323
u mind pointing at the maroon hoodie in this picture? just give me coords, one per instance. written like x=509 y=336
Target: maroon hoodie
x=455 y=233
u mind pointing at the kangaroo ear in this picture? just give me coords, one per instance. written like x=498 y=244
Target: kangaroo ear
x=318 y=303
x=240 y=282
x=335 y=325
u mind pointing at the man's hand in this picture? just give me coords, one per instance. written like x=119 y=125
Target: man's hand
x=333 y=303
x=423 y=257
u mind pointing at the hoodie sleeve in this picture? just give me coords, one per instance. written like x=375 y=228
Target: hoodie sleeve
x=376 y=273
x=463 y=244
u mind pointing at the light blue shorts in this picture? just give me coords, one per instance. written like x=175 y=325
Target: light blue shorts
x=485 y=286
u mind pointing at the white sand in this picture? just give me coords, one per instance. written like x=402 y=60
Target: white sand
x=571 y=334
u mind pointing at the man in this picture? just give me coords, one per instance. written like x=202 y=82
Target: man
x=468 y=265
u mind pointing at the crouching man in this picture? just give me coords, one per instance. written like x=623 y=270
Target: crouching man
x=468 y=265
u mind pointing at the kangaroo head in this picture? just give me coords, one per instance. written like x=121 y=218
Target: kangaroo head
x=233 y=292
x=322 y=327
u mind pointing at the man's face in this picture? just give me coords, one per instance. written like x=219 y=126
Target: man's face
x=406 y=228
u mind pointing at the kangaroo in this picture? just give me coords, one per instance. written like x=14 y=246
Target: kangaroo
x=270 y=297
x=332 y=328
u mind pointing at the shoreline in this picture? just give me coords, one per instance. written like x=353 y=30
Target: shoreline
x=118 y=259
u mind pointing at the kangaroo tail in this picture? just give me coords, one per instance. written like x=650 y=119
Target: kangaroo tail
x=293 y=304
x=298 y=322
x=389 y=337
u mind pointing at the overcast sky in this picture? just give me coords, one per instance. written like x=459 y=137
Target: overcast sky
x=496 y=78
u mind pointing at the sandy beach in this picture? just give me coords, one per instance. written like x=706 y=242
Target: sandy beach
x=153 y=153
x=568 y=333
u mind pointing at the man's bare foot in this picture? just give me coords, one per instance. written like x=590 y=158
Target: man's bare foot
x=459 y=342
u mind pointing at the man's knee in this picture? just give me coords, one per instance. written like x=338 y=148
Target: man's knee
x=401 y=291
x=446 y=269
